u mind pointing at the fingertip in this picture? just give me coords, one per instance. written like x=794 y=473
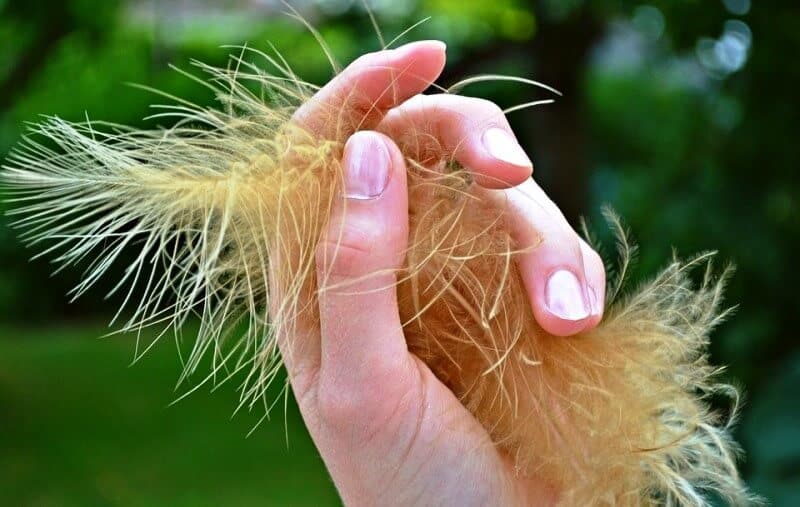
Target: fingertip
x=425 y=59
x=433 y=50
x=495 y=176
x=595 y=282
x=504 y=167
x=421 y=61
x=495 y=155
x=557 y=326
x=501 y=145
x=432 y=45
x=562 y=304
x=359 y=97
x=502 y=160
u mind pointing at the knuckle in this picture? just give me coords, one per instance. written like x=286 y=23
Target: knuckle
x=360 y=104
x=346 y=250
x=371 y=89
x=340 y=259
x=337 y=407
x=346 y=407
x=345 y=403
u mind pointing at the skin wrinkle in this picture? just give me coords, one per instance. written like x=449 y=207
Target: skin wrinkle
x=415 y=434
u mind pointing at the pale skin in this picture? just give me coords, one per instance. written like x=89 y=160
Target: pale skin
x=388 y=431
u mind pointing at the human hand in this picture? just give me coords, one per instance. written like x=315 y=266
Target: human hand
x=388 y=430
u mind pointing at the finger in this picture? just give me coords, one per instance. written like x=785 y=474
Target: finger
x=596 y=279
x=358 y=98
x=473 y=131
x=363 y=345
x=564 y=294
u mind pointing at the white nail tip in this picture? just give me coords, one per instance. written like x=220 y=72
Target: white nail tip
x=501 y=145
x=565 y=296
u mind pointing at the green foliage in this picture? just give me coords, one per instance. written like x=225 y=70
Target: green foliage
x=691 y=157
x=79 y=428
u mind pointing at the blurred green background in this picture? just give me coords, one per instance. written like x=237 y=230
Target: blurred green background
x=681 y=114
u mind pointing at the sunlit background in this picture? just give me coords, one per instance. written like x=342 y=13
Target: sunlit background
x=680 y=114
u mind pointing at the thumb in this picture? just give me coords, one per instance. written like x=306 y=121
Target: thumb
x=362 y=342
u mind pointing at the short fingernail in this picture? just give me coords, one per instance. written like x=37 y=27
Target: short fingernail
x=366 y=167
x=501 y=145
x=565 y=296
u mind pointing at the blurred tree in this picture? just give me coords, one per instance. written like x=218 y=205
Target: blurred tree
x=678 y=113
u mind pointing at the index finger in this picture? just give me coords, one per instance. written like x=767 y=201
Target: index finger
x=359 y=97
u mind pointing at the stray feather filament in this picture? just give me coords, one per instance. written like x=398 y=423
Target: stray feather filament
x=224 y=212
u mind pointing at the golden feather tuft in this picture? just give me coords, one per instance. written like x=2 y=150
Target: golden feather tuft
x=226 y=208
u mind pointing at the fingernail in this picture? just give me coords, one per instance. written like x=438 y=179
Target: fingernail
x=366 y=167
x=565 y=296
x=436 y=44
x=501 y=145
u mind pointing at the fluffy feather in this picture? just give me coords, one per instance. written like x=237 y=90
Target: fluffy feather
x=227 y=207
